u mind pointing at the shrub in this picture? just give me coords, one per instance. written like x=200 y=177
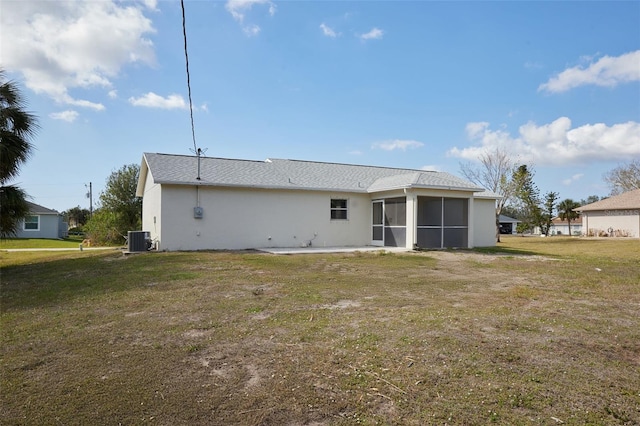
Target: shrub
x=104 y=228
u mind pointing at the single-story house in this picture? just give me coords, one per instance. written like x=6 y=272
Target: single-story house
x=561 y=227
x=199 y=203
x=508 y=225
x=617 y=216
x=42 y=223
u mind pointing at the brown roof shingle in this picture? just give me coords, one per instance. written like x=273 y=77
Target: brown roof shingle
x=624 y=201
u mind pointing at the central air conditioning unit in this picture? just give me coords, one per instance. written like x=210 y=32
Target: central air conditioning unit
x=138 y=241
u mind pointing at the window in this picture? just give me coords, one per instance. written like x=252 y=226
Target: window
x=338 y=209
x=32 y=223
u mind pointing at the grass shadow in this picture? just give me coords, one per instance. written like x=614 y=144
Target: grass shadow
x=504 y=250
x=57 y=282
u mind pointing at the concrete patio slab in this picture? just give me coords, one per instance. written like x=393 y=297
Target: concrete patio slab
x=311 y=250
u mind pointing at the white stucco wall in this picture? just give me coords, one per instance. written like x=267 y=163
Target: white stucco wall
x=621 y=221
x=257 y=218
x=151 y=209
x=576 y=229
x=484 y=222
x=244 y=218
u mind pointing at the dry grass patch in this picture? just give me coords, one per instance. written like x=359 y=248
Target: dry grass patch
x=529 y=332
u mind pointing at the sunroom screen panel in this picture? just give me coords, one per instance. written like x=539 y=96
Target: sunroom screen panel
x=429 y=211
x=456 y=237
x=429 y=237
x=456 y=212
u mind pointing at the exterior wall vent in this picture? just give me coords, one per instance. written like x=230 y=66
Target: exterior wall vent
x=138 y=241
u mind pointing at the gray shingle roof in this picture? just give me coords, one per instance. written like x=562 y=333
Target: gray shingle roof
x=38 y=209
x=624 y=201
x=295 y=174
x=487 y=194
x=504 y=218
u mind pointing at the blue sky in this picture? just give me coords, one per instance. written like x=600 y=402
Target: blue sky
x=416 y=84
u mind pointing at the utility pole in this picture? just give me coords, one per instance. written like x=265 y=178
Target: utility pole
x=90 y=197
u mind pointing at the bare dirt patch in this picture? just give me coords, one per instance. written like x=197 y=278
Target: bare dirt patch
x=342 y=304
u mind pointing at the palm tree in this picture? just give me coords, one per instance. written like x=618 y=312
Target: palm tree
x=17 y=129
x=565 y=211
x=14 y=206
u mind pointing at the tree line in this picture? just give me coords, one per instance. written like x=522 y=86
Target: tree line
x=499 y=173
x=119 y=210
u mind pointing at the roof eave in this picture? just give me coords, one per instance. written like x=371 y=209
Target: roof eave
x=413 y=186
x=279 y=187
x=142 y=177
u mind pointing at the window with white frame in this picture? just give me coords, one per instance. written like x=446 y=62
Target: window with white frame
x=338 y=209
x=32 y=223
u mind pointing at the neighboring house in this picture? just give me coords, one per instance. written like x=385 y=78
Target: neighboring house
x=192 y=203
x=42 y=223
x=508 y=225
x=561 y=227
x=617 y=216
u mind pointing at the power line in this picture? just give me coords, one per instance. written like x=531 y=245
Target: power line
x=186 y=57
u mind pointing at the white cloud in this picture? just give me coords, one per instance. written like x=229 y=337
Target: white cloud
x=151 y=100
x=239 y=8
x=251 y=30
x=375 y=33
x=151 y=4
x=328 y=31
x=59 y=46
x=572 y=179
x=556 y=143
x=69 y=115
x=431 y=168
x=401 y=144
x=66 y=99
x=475 y=129
x=113 y=94
x=607 y=71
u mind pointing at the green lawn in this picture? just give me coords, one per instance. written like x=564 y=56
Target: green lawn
x=536 y=331
x=27 y=243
